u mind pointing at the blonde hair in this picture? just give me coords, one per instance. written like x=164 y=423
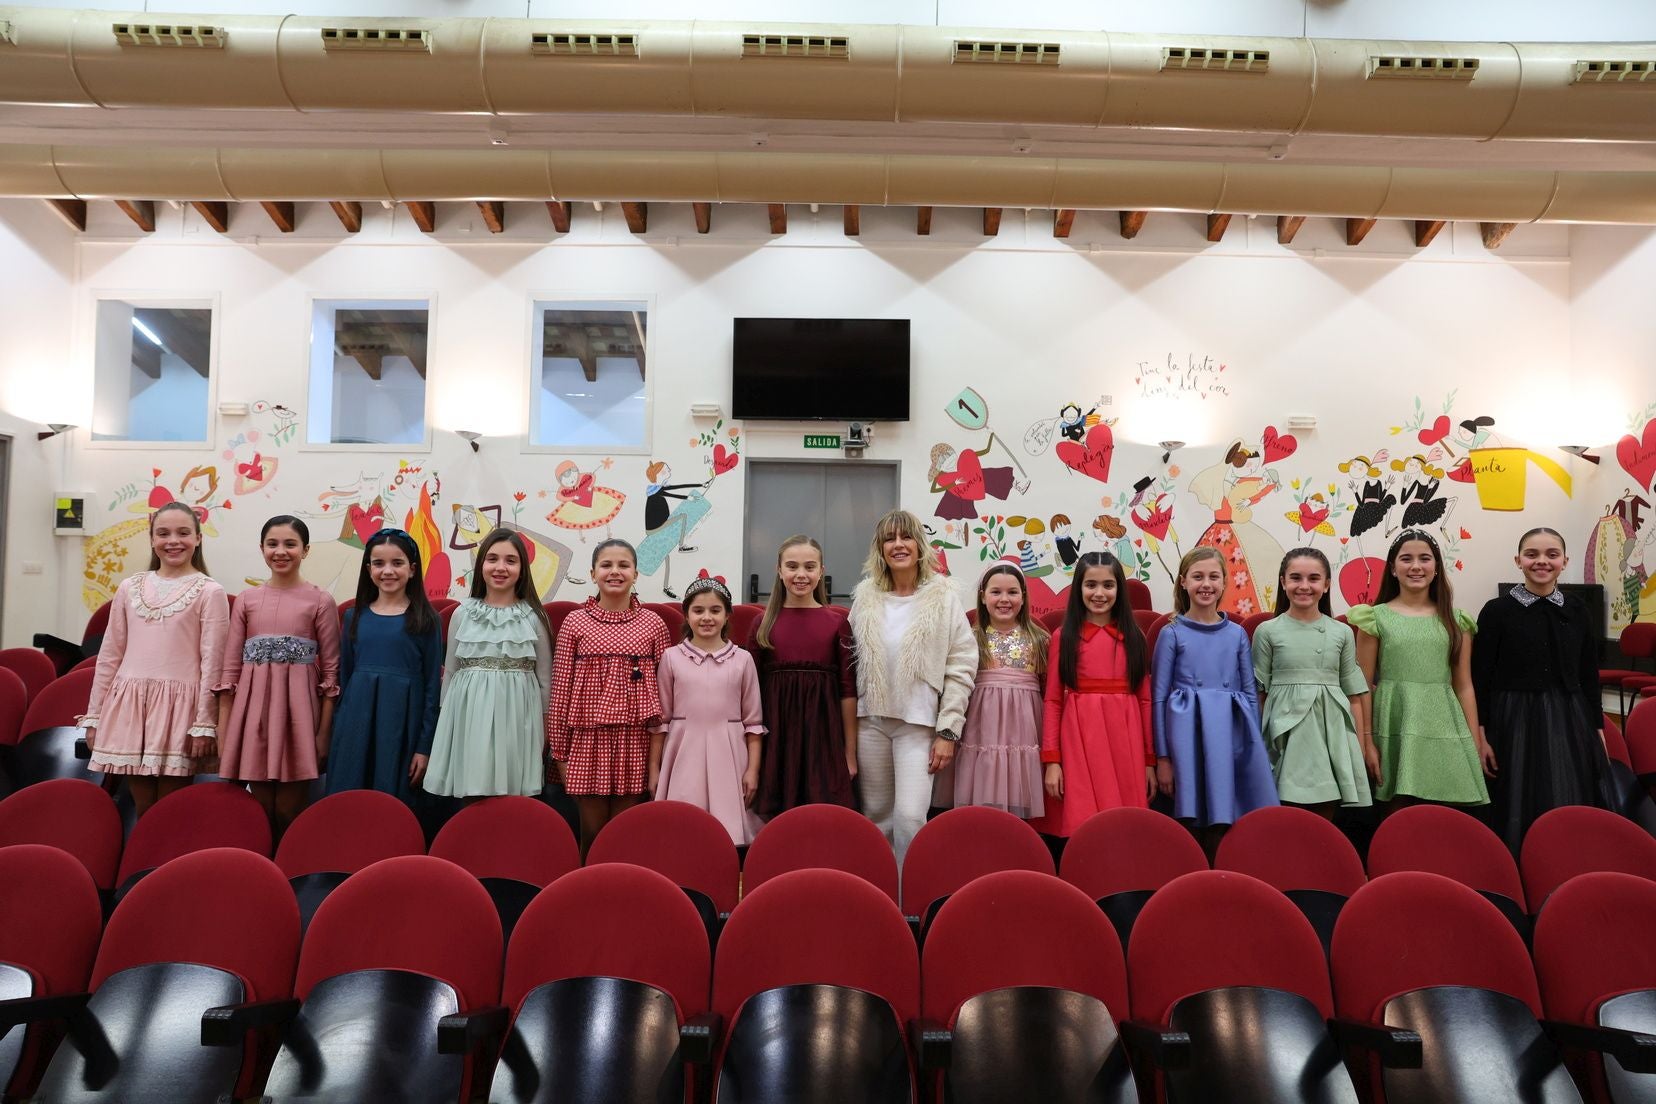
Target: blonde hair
x=1181 y=596
x=778 y=594
x=899 y=523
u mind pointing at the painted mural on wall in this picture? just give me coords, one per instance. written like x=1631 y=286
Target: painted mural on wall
x=674 y=511
x=1621 y=549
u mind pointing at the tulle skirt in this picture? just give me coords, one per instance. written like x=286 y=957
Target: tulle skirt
x=999 y=759
x=1547 y=754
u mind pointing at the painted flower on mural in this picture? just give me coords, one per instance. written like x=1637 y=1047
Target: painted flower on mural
x=1155 y=520
x=1239 y=579
x=1245 y=607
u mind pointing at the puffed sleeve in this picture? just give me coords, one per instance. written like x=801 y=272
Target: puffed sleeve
x=326 y=626
x=563 y=674
x=1052 y=716
x=1262 y=655
x=960 y=670
x=664 y=689
x=1161 y=686
x=1345 y=648
x=1365 y=618
x=1467 y=623
x=753 y=713
x=431 y=659
x=215 y=627
x=230 y=676
x=110 y=652
x=1486 y=656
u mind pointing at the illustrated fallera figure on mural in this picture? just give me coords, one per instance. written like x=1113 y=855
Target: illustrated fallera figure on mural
x=549 y=559
x=667 y=528
x=1231 y=489
x=1421 y=506
x=968 y=482
x=582 y=503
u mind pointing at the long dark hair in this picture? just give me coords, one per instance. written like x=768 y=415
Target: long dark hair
x=1325 y=604
x=198 y=559
x=1121 y=615
x=524 y=590
x=420 y=618
x=1441 y=593
x=1039 y=639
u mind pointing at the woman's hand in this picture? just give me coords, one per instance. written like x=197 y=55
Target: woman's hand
x=1054 y=780
x=942 y=753
x=1164 y=775
x=417 y=769
x=750 y=786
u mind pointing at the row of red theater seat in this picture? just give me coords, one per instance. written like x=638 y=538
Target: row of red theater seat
x=1223 y=992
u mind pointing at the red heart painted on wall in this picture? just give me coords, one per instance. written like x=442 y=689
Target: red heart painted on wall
x=1278 y=446
x=1438 y=431
x=723 y=459
x=1638 y=456
x=366 y=522
x=1360 y=580
x=1092 y=458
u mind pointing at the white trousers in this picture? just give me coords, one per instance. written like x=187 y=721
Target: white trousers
x=892 y=761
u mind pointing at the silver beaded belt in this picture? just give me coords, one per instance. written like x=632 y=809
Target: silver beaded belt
x=279 y=649
x=495 y=663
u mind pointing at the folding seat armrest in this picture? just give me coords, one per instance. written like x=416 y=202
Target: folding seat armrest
x=83 y=750
x=932 y=1042
x=1634 y=1051
x=699 y=1038
x=463 y=1031
x=1395 y=1047
x=227 y=1024
x=1165 y=1049
x=27 y=1010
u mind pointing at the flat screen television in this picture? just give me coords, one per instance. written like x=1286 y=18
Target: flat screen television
x=838 y=369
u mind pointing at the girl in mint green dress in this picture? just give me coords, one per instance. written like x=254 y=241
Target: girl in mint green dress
x=496 y=682
x=1415 y=649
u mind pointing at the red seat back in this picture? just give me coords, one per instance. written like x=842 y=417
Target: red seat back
x=1638 y=640
x=72 y=815
x=1445 y=841
x=1593 y=941
x=1017 y=927
x=1145 y=618
x=96 y=625
x=14 y=703
x=963 y=844
x=1138 y=595
x=1215 y=929
x=347 y=831
x=817 y=927
x=743 y=620
x=32 y=666
x=1052 y=620
x=555 y=614
x=683 y=842
x=1154 y=631
x=445 y=615
x=509 y=837
x=60 y=703
x=223 y=907
x=1291 y=848
x=672 y=615
x=1412 y=930
x=1640 y=736
x=821 y=837
x=1125 y=850
x=53 y=918
x=1614 y=744
x=1254 y=620
x=1578 y=839
x=613 y=920
x=195 y=818
x=415 y=913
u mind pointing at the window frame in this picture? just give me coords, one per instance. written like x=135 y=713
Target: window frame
x=384 y=301
x=139 y=299
x=531 y=361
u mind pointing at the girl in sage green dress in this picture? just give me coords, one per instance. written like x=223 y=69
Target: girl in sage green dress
x=496 y=681
x=1415 y=649
x=1305 y=664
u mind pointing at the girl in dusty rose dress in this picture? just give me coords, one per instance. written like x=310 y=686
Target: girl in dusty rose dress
x=281 y=678
x=707 y=751
x=151 y=715
x=999 y=763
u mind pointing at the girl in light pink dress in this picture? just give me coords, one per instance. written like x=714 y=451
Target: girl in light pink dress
x=707 y=751
x=151 y=715
x=280 y=678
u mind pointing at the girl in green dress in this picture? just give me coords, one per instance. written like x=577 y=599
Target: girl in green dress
x=1305 y=664
x=1415 y=649
x=496 y=681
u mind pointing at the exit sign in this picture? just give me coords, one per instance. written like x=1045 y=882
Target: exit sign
x=822 y=440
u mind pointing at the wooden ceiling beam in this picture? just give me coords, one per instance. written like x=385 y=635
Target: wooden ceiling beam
x=370 y=357
x=922 y=221
x=1287 y=227
x=853 y=220
x=349 y=213
x=638 y=216
x=560 y=215
x=1216 y=227
x=186 y=342
x=704 y=217
x=140 y=211
x=281 y=213
x=494 y=214
x=1494 y=233
x=1131 y=223
x=73 y=211
x=146 y=356
x=1425 y=230
x=424 y=213
x=1357 y=229
x=778 y=217
x=991 y=221
x=1063 y=220
x=216 y=213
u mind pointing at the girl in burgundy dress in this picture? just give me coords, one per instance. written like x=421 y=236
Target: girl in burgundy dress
x=604 y=698
x=808 y=687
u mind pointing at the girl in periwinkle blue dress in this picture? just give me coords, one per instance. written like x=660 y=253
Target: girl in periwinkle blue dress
x=1209 y=753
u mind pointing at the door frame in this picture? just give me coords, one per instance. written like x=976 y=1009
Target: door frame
x=747 y=499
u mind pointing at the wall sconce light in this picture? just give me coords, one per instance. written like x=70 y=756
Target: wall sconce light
x=1583 y=452
x=1169 y=448
x=53 y=429
x=469 y=436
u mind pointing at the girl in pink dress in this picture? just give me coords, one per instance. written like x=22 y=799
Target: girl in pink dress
x=151 y=715
x=707 y=750
x=1097 y=741
x=999 y=763
x=281 y=678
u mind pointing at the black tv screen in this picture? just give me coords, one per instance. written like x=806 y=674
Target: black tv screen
x=840 y=369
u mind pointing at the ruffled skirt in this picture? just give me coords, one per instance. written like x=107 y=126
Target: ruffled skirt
x=998 y=763
x=143 y=728
x=489 y=736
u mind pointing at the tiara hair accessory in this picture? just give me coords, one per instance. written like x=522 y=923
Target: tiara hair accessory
x=707 y=582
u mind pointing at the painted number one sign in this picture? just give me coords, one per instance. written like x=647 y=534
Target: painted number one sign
x=968 y=410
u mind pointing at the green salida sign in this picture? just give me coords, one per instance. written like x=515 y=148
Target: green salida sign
x=822 y=440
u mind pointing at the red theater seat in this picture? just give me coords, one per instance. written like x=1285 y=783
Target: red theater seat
x=1299 y=853
x=338 y=836
x=1577 y=839
x=63 y=700
x=195 y=818
x=813 y=837
x=960 y=845
x=671 y=615
x=14 y=703
x=31 y=666
x=1138 y=595
x=1119 y=857
x=743 y=620
x=1439 y=840
x=72 y=815
x=683 y=842
x=514 y=845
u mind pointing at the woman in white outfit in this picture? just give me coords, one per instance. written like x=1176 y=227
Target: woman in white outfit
x=916 y=659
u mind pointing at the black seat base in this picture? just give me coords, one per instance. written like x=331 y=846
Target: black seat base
x=1480 y=1047
x=1253 y=1045
x=1037 y=1043
x=592 y=1038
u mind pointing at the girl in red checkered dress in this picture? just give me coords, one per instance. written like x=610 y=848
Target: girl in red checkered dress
x=604 y=698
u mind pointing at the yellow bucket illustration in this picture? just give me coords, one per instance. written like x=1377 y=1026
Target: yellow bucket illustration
x=1501 y=475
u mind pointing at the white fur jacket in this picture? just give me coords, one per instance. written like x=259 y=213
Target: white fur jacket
x=939 y=650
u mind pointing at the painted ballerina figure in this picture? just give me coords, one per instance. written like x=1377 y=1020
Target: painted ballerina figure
x=582 y=503
x=1374 y=496
x=1421 y=506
